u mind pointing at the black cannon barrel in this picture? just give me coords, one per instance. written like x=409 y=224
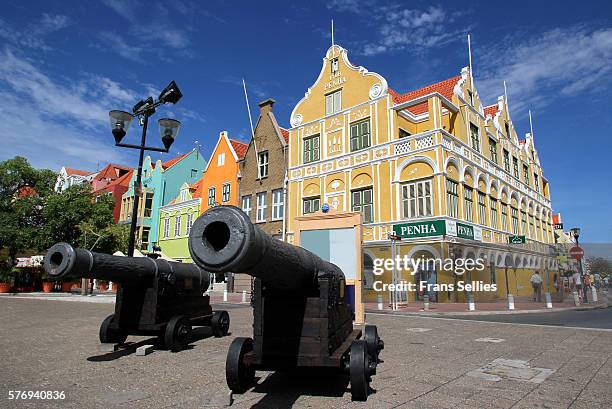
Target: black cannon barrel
x=64 y=261
x=223 y=239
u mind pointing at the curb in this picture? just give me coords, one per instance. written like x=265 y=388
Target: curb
x=476 y=313
x=53 y=295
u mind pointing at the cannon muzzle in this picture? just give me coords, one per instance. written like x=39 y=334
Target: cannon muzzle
x=223 y=239
x=64 y=261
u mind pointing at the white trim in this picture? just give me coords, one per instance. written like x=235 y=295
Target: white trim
x=423 y=98
x=222 y=135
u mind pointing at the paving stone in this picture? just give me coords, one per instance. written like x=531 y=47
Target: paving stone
x=424 y=369
x=144 y=350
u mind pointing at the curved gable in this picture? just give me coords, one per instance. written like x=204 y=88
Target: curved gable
x=358 y=85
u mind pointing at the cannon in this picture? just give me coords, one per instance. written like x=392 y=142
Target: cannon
x=155 y=297
x=301 y=317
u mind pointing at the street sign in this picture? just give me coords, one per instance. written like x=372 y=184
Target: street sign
x=576 y=253
x=517 y=240
x=420 y=229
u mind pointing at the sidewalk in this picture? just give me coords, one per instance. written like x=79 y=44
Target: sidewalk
x=521 y=306
x=109 y=297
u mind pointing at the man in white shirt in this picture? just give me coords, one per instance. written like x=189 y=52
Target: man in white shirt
x=536 y=283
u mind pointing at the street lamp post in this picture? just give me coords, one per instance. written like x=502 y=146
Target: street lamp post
x=120 y=122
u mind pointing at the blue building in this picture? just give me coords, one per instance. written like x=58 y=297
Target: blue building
x=161 y=183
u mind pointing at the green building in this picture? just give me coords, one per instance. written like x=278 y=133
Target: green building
x=175 y=221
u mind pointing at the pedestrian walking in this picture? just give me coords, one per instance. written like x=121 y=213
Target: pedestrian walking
x=586 y=286
x=536 y=283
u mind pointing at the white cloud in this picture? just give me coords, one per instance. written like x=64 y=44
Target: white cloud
x=125 y=8
x=345 y=5
x=116 y=43
x=55 y=123
x=558 y=63
x=404 y=29
x=152 y=36
x=33 y=35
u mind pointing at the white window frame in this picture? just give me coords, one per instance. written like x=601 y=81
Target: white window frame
x=475 y=142
x=247 y=205
x=221 y=159
x=212 y=192
x=166 y=227
x=226 y=192
x=262 y=165
x=189 y=223
x=482 y=208
x=333 y=102
x=177 y=226
x=468 y=204
x=311 y=201
x=262 y=205
x=278 y=204
x=494 y=215
x=419 y=204
x=183 y=195
x=312 y=148
x=452 y=198
x=358 y=203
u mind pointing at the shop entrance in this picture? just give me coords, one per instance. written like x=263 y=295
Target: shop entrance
x=425 y=279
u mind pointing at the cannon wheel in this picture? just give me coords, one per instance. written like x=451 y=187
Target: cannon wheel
x=177 y=334
x=109 y=335
x=220 y=323
x=239 y=376
x=373 y=342
x=359 y=370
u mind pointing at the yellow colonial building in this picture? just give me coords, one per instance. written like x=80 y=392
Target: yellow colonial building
x=435 y=166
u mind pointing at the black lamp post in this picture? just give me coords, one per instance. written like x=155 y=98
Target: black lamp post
x=120 y=122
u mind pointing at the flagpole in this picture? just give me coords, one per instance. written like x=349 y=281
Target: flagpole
x=506 y=99
x=470 y=59
x=531 y=125
x=246 y=97
x=332 y=32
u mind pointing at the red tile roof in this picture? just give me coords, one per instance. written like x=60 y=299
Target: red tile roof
x=443 y=87
x=491 y=110
x=196 y=187
x=72 y=171
x=169 y=163
x=285 y=133
x=123 y=180
x=239 y=147
x=110 y=171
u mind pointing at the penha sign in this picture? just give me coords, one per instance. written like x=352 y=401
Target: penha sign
x=420 y=229
x=430 y=228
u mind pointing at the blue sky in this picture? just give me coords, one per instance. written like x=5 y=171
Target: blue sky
x=65 y=64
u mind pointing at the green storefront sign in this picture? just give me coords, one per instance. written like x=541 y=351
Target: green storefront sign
x=420 y=229
x=464 y=231
x=517 y=240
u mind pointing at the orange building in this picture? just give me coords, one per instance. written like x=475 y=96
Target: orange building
x=219 y=185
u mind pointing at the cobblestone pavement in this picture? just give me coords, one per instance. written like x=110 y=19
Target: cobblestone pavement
x=429 y=363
